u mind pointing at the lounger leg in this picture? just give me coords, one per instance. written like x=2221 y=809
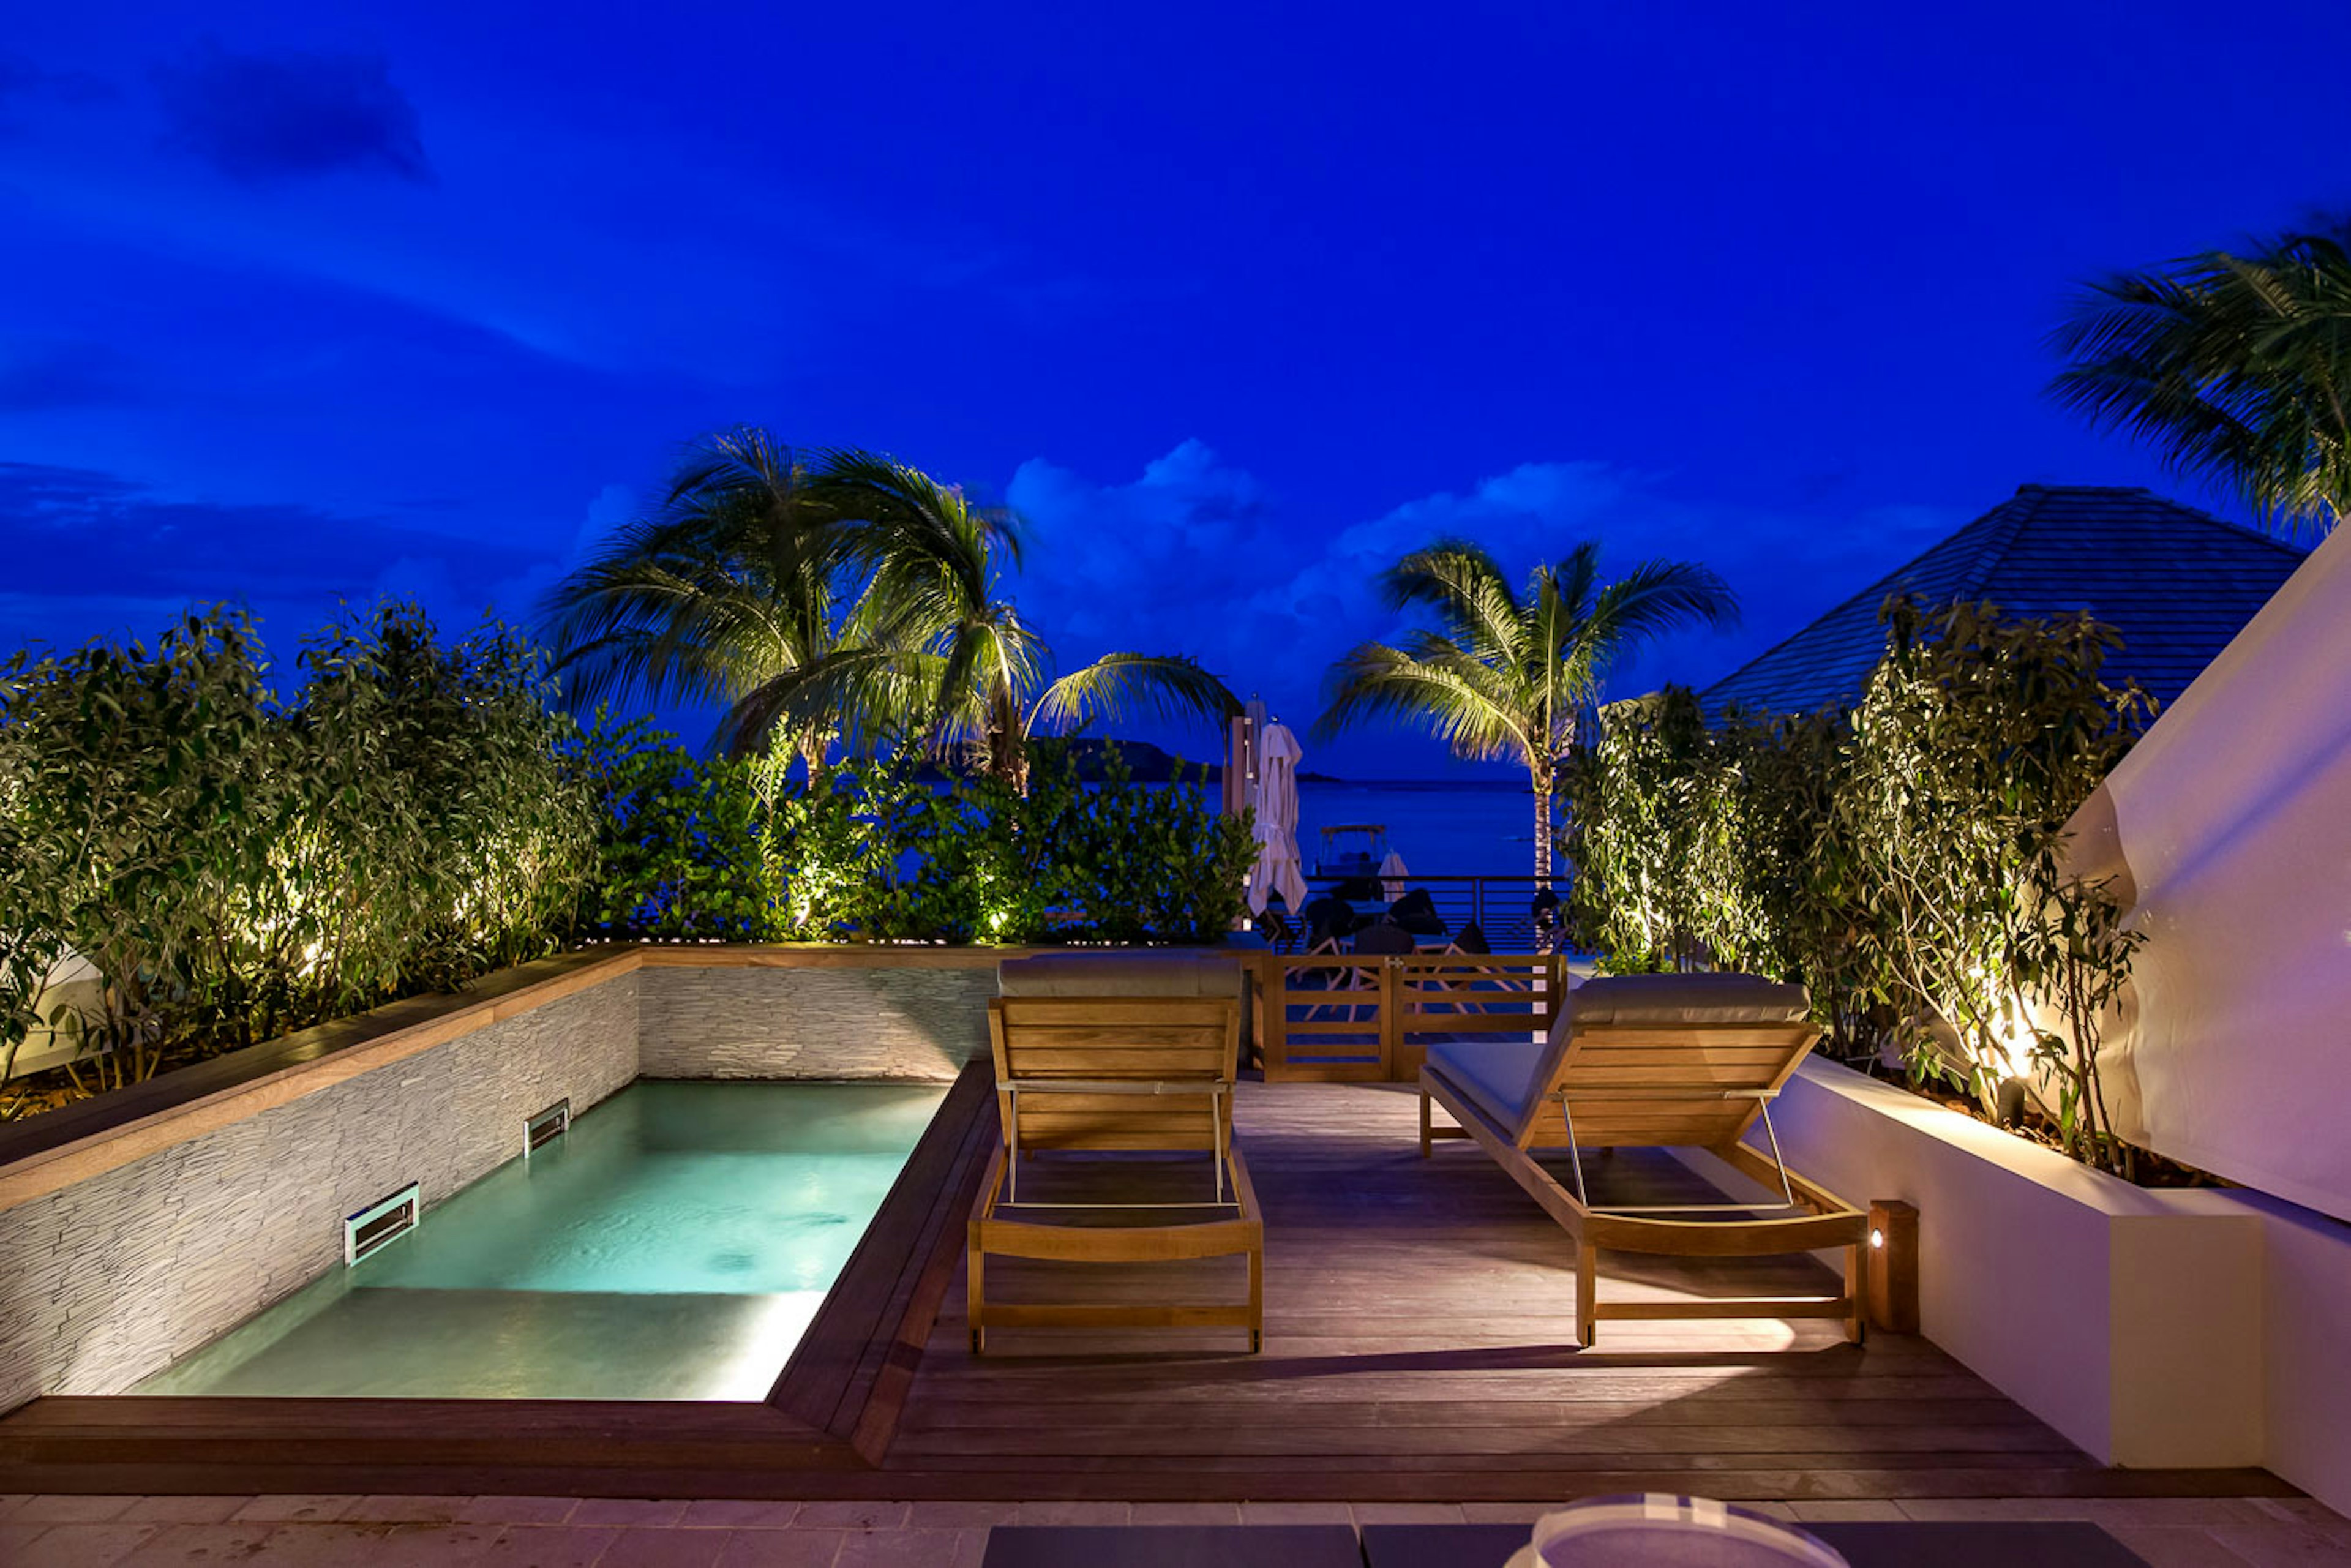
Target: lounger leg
x=975 y=1302
x=1256 y=1300
x=1857 y=1288
x=1587 y=1294
x=1424 y=1124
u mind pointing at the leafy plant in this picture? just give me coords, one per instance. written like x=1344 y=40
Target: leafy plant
x=1510 y=674
x=679 y=848
x=1973 y=744
x=140 y=793
x=889 y=850
x=2236 y=367
x=234 y=867
x=1904 y=860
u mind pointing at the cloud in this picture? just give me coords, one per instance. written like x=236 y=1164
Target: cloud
x=86 y=550
x=1197 y=557
x=265 y=117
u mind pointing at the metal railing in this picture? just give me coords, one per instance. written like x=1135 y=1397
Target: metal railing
x=1501 y=906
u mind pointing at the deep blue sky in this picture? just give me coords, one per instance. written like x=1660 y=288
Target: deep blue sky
x=1235 y=303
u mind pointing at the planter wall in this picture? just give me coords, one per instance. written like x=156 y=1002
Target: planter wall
x=2129 y=1320
x=2305 y=1336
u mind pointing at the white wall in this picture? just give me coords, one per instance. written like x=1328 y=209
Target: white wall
x=2209 y=1326
x=2129 y=1320
x=2306 y=1346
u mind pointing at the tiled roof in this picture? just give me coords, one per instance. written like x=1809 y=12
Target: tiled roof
x=2176 y=583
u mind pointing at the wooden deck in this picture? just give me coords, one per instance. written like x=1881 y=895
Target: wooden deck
x=1418 y=1345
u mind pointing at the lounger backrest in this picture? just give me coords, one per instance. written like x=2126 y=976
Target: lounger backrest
x=1667 y=1060
x=1187 y=1045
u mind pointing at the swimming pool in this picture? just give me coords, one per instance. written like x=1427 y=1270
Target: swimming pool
x=674 y=1245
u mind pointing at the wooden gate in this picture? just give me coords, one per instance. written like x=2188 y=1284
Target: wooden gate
x=1338 y=1017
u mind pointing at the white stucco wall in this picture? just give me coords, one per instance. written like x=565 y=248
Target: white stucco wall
x=2129 y=1320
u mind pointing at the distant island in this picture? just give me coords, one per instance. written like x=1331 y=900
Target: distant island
x=1145 y=763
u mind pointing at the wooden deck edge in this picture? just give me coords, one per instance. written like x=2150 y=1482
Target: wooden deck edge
x=876 y=1425
x=831 y=1374
x=124 y=1443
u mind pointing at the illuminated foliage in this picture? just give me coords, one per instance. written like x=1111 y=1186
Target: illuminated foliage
x=894 y=850
x=1904 y=860
x=234 y=867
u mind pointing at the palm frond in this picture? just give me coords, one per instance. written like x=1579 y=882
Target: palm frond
x=1119 y=687
x=1376 y=682
x=2235 y=369
x=1460 y=583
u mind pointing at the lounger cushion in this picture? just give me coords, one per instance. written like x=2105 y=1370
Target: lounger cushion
x=1683 y=998
x=1497 y=1073
x=1120 y=974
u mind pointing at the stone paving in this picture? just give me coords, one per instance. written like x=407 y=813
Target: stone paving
x=59 y=1532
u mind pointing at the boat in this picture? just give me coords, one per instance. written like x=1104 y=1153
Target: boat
x=1354 y=851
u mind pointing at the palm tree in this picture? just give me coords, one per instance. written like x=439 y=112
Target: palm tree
x=2238 y=369
x=845 y=597
x=727 y=593
x=1507 y=674
x=950 y=643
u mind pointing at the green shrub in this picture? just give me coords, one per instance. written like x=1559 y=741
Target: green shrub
x=235 y=868
x=679 y=850
x=1974 y=743
x=891 y=851
x=1904 y=860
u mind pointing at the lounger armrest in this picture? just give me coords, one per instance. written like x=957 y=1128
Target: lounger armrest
x=1210 y=1086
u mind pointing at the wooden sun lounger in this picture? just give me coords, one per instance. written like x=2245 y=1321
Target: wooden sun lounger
x=1116 y=1074
x=1671 y=1061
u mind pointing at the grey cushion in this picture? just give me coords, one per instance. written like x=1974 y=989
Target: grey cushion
x=1684 y=999
x=1126 y=972
x=1497 y=1073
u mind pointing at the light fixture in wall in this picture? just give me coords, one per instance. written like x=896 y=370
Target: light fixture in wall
x=381 y=1224
x=545 y=1127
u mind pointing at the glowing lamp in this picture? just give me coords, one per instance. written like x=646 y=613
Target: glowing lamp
x=1891 y=1300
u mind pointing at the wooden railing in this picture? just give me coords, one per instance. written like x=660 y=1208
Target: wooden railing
x=1339 y=1017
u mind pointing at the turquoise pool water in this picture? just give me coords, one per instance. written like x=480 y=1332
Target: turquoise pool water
x=674 y=1245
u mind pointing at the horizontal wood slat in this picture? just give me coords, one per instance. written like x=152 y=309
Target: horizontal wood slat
x=1112 y=1012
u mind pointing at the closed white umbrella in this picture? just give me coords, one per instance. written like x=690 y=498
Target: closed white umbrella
x=1391 y=875
x=1277 y=823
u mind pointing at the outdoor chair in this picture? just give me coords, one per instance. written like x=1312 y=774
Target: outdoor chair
x=1375 y=938
x=1327 y=919
x=1643 y=1061
x=1470 y=942
x=1416 y=913
x=1108 y=1054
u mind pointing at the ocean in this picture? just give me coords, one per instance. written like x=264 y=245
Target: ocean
x=1440 y=827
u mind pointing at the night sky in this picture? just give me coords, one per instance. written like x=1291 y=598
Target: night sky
x=1235 y=304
